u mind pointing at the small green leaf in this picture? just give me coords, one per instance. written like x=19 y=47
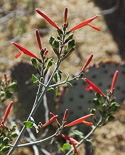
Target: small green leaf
x=2 y=93
x=69 y=84
x=8 y=94
x=35 y=79
x=34 y=62
x=13 y=134
x=78 y=133
x=12 y=85
x=5 y=141
x=100 y=98
x=71 y=45
x=28 y=124
x=56 y=91
x=51 y=39
x=67 y=77
x=57 y=76
x=110 y=118
x=55 y=45
x=4 y=149
x=50 y=62
x=66 y=146
x=51 y=88
x=69 y=38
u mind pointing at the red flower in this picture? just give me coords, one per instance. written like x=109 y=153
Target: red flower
x=80 y=120
x=55 y=119
x=47 y=18
x=87 y=63
x=5 y=78
x=72 y=140
x=86 y=22
x=65 y=16
x=113 y=82
x=38 y=40
x=25 y=51
x=51 y=119
x=7 y=112
x=94 y=87
x=65 y=115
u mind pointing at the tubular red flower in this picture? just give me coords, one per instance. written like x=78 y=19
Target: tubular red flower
x=5 y=78
x=51 y=119
x=94 y=87
x=7 y=112
x=25 y=51
x=72 y=140
x=47 y=18
x=113 y=82
x=79 y=120
x=86 y=22
x=38 y=40
x=55 y=119
x=87 y=63
x=65 y=115
x=65 y=15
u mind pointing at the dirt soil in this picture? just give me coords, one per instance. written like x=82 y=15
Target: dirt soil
x=109 y=139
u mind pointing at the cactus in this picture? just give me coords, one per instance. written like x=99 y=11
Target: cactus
x=76 y=99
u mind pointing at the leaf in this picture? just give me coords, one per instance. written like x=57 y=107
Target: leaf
x=57 y=76
x=100 y=98
x=67 y=77
x=35 y=79
x=28 y=124
x=66 y=146
x=50 y=62
x=51 y=39
x=56 y=91
x=78 y=133
x=69 y=84
x=71 y=45
x=34 y=62
x=2 y=93
x=12 y=86
x=8 y=94
x=51 y=88
x=69 y=38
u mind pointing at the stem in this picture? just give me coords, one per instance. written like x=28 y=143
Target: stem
x=87 y=136
x=35 y=107
x=36 y=142
x=57 y=84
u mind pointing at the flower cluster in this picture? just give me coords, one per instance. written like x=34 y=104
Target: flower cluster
x=65 y=125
